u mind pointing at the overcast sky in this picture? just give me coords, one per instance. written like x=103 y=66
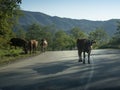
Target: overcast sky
x=75 y=9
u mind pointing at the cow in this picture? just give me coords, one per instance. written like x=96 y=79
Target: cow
x=43 y=45
x=84 y=45
x=18 y=42
x=33 y=44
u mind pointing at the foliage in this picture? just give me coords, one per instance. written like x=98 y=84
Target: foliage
x=118 y=28
x=33 y=31
x=38 y=32
x=76 y=32
x=67 y=24
x=62 y=41
x=115 y=40
x=57 y=40
x=13 y=52
x=116 y=36
x=8 y=14
x=11 y=55
x=100 y=36
x=19 y=31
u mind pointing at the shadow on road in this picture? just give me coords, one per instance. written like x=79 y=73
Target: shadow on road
x=48 y=76
x=102 y=74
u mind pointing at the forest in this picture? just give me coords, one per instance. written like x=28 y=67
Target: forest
x=57 y=39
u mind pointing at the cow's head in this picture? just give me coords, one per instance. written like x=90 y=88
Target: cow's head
x=93 y=41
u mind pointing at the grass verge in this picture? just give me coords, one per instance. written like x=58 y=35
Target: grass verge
x=12 y=55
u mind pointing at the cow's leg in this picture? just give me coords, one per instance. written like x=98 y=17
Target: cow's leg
x=83 y=57
x=41 y=48
x=33 y=50
x=15 y=47
x=30 y=49
x=25 y=50
x=89 y=57
x=44 y=49
x=80 y=55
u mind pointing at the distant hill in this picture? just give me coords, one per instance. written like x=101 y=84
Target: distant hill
x=67 y=24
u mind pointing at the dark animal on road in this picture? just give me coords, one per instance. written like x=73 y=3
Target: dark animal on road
x=18 y=42
x=43 y=45
x=33 y=44
x=84 y=45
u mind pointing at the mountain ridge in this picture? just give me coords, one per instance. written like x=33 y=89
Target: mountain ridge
x=67 y=24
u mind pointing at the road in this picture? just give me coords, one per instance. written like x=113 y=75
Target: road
x=60 y=70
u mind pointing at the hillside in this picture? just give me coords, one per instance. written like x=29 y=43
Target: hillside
x=67 y=24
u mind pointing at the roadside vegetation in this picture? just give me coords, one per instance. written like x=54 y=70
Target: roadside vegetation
x=7 y=55
x=57 y=39
x=12 y=55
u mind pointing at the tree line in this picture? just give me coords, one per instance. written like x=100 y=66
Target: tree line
x=57 y=39
x=9 y=12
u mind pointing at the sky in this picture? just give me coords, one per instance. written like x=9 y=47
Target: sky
x=75 y=9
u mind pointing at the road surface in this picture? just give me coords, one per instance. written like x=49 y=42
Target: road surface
x=60 y=70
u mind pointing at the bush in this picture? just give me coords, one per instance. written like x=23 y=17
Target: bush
x=13 y=52
x=10 y=52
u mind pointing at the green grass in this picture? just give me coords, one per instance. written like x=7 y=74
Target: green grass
x=109 y=46
x=12 y=55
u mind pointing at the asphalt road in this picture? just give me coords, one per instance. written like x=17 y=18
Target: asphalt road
x=60 y=70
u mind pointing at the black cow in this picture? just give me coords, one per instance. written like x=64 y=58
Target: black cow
x=84 y=45
x=18 y=42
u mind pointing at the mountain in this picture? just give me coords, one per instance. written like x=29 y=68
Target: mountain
x=67 y=24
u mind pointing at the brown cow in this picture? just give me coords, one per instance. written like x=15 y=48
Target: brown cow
x=84 y=45
x=33 y=44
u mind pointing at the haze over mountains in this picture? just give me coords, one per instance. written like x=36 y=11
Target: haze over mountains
x=67 y=24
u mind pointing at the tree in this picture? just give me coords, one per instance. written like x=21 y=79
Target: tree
x=118 y=29
x=116 y=36
x=62 y=41
x=115 y=40
x=99 y=35
x=38 y=32
x=8 y=14
x=48 y=32
x=33 y=31
x=77 y=33
x=20 y=33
